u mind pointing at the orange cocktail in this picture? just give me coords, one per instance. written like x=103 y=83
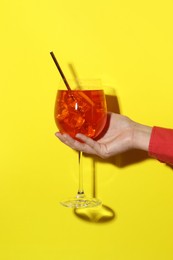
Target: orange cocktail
x=80 y=111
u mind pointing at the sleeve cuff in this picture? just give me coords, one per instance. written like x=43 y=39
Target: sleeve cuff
x=161 y=144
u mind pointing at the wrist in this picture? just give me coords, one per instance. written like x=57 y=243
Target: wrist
x=141 y=136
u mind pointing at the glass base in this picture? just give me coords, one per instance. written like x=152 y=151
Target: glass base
x=81 y=202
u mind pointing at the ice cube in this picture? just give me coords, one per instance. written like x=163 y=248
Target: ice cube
x=77 y=120
x=63 y=112
x=90 y=131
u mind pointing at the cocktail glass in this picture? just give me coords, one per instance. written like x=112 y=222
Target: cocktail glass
x=81 y=111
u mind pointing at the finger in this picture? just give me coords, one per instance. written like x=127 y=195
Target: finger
x=90 y=142
x=79 y=146
x=74 y=144
x=61 y=137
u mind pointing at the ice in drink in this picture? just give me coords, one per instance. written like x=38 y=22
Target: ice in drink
x=80 y=111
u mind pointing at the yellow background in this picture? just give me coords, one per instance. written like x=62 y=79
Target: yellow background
x=129 y=45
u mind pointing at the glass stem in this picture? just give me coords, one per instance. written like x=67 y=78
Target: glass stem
x=80 y=158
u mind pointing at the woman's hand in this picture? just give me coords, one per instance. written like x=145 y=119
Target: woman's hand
x=121 y=134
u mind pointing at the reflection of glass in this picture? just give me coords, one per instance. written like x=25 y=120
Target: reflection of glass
x=102 y=214
x=81 y=111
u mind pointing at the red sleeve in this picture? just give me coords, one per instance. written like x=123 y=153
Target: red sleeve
x=161 y=144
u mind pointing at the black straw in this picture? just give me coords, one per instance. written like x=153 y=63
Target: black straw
x=60 y=70
x=75 y=75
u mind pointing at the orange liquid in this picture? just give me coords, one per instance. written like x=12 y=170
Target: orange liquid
x=80 y=111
